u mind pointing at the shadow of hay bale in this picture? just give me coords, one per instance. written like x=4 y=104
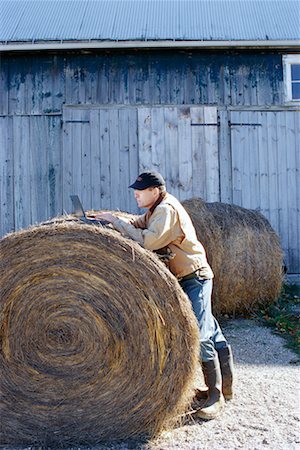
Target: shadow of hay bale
x=97 y=340
x=244 y=252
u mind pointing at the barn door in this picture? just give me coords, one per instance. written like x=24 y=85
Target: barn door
x=99 y=156
x=104 y=148
x=265 y=171
x=182 y=143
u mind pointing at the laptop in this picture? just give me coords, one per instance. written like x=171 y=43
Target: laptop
x=80 y=213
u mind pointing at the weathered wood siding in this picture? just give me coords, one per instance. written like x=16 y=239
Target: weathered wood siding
x=30 y=177
x=100 y=156
x=88 y=123
x=105 y=148
x=40 y=84
x=265 y=150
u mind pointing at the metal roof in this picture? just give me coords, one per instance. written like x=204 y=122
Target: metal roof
x=121 y=21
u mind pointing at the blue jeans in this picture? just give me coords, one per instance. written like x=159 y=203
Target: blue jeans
x=211 y=336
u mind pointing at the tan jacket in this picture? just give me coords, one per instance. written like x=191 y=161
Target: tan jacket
x=170 y=226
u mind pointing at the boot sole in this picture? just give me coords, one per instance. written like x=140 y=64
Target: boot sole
x=209 y=416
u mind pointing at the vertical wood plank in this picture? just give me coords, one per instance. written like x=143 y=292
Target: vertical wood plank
x=86 y=160
x=133 y=155
x=105 y=176
x=271 y=149
x=102 y=96
x=293 y=183
x=198 y=153
x=185 y=153
x=172 y=150
x=158 y=140
x=144 y=139
x=282 y=184
x=67 y=160
x=6 y=176
x=22 y=199
x=114 y=154
x=38 y=166
x=212 y=154
x=297 y=153
x=76 y=154
x=236 y=159
x=95 y=183
x=246 y=151
x=264 y=183
x=4 y=89
x=253 y=200
x=123 y=200
x=225 y=158
x=55 y=167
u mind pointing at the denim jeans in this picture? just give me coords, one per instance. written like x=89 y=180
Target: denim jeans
x=211 y=337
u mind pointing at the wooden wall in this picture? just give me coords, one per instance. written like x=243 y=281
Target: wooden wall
x=265 y=163
x=105 y=148
x=213 y=124
x=42 y=83
x=30 y=163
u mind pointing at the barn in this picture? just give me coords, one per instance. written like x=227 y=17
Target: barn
x=94 y=91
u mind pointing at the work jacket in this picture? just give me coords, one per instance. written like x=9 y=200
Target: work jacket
x=169 y=225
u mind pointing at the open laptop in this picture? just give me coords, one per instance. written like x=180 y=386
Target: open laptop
x=80 y=213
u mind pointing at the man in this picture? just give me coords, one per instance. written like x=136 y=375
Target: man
x=167 y=227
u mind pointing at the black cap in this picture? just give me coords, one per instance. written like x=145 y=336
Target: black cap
x=148 y=179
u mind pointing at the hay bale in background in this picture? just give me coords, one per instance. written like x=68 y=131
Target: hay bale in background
x=98 y=342
x=244 y=252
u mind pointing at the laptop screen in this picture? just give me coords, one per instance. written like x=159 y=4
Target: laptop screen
x=78 y=209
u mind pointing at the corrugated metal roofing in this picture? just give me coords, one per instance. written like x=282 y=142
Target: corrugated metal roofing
x=142 y=20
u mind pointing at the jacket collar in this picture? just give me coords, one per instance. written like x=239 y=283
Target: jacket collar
x=162 y=195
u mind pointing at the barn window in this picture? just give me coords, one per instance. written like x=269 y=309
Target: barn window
x=291 y=67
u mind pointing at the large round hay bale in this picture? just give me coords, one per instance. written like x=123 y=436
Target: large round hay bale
x=244 y=252
x=97 y=340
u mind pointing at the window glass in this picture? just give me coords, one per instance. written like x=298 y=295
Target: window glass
x=295 y=72
x=291 y=77
x=296 y=91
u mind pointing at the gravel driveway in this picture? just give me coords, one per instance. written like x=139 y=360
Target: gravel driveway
x=264 y=413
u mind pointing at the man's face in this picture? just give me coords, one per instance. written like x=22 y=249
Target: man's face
x=147 y=197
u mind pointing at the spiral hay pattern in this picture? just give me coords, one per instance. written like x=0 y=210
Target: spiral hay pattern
x=97 y=340
x=244 y=252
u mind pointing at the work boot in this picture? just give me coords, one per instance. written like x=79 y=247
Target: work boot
x=215 y=400
x=226 y=365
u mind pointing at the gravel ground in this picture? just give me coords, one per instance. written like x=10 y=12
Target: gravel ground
x=264 y=413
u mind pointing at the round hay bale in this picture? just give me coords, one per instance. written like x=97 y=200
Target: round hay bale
x=244 y=252
x=97 y=340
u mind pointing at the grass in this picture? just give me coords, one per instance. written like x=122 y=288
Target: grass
x=284 y=316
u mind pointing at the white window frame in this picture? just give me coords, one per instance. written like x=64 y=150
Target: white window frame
x=288 y=60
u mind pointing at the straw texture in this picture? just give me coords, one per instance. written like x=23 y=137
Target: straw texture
x=243 y=251
x=98 y=342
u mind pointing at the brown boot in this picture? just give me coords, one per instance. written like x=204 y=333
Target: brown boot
x=226 y=365
x=215 y=401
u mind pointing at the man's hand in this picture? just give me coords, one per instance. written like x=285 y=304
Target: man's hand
x=106 y=216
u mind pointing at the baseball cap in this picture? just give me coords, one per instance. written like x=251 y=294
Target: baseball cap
x=148 y=179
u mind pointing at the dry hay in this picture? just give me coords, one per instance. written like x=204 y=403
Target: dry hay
x=98 y=342
x=244 y=252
